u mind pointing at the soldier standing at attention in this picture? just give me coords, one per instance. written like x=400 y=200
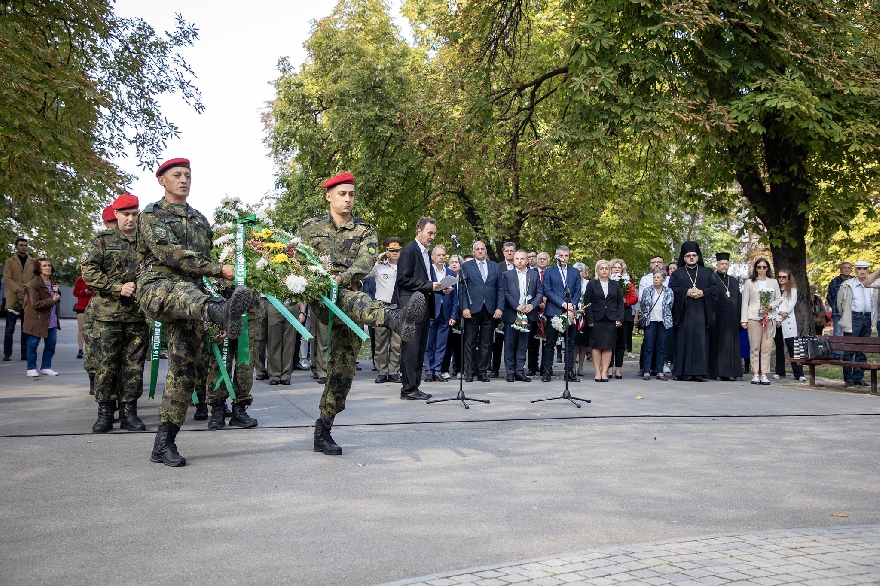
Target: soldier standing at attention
x=174 y=241
x=351 y=245
x=109 y=265
x=92 y=346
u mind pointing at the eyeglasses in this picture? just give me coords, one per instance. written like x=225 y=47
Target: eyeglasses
x=762 y=267
x=780 y=277
x=691 y=254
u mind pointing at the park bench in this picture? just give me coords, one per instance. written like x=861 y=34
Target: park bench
x=847 y=344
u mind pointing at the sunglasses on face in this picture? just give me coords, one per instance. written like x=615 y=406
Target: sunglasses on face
x=763 y=268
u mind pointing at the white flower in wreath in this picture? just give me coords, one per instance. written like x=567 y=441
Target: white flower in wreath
x=558 y=323
x=262 y=264
x=223 y=239
x=296 y=284
x=529 y=297
x=227 y=252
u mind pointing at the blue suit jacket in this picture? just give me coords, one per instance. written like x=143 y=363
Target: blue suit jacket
x=479 y=293
x=446 y=306
x=555 y=292
x=511 y=294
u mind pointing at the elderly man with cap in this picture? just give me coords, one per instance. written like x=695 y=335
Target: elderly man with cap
x=174 y=241
x=387 y=340
x=119 y=329
x=855 y=301
x=693 y=313
x=350 y=246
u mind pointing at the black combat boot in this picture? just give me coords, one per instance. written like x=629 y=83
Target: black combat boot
x=323 y=440
x=216 y=421
x=227 y=313
x=164 y=448
x=91 y=384
x=240 y=417
x=201 y=408
x=129 y=417
x=105 y=417
x=403 y=320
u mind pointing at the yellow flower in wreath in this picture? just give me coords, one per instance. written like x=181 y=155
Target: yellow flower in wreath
x=273 y=246
x=263 y=234
x=280 y=258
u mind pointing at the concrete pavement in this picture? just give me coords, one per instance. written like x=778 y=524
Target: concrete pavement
x=421 y=489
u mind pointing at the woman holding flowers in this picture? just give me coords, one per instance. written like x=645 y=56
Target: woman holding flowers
x=761 y=297
x=603 y=309
x=623 y=343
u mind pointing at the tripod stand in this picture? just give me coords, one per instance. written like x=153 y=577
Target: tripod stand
x=462 y=287
x=566 y=394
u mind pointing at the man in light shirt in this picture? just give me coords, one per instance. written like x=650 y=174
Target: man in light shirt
x=387 y=340
x=855 y=300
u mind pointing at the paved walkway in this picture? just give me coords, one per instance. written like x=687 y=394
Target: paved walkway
x=834 y=557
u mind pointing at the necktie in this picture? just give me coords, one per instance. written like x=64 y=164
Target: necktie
x=542 y=277
x=484 y=272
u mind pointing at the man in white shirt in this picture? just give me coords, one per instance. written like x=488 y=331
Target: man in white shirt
x=387 y=340
x=855 y=300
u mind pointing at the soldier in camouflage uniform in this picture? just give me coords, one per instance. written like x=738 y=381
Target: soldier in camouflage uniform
x=174 y=241
x=351 y=245
x=118 y=330
x=242 y=376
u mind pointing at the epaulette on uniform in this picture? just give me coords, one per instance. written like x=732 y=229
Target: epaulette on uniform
x=149 y=208
x=311 y=221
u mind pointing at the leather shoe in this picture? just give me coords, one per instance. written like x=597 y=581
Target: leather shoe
x=274 y=382
x=522 y=378
x=415 y=395
x=570 y=377
x=440 y=379
x=285 y=382
x=546 y=378
x=261 y=376
x=494 y=374
x=322 y=380
x=468 y=378
x=485 y=378
x=395 y=378
x=510 y=378
x=530 y=372
x=382 y=378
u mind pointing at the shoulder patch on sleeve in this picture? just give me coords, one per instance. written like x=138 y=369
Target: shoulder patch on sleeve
x=160 y=231
x=149 y=208
x=84 y=257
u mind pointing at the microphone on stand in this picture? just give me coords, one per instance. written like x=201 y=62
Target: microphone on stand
x=455 y=241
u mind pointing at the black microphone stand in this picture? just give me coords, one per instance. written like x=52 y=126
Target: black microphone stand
x=565 y=394
x=463 y=287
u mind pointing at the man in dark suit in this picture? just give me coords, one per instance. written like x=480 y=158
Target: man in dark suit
x=506 y=264
x=562 y=290
x=481 y=307
x=521 y=291
x=444 y=317
x=415 y=273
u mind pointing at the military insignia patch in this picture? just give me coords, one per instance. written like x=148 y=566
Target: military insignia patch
x=160 y=232
x=385 y=277
x=371 y=250
x=84 y=257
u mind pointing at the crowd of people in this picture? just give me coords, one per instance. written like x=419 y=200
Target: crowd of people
x=433 y=316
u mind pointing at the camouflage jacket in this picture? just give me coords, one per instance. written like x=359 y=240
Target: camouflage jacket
x=351 y=248
x=111 y=260
x=178 y=238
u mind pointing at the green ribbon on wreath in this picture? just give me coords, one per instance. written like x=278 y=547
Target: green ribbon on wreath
x=155 y=352
x=244 y=350
x=307 y=335
x=224 y=376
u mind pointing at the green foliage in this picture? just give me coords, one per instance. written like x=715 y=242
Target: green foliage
x=79 y=87
x=857 y=242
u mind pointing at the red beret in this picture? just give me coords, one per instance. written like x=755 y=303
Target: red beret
x=338 y=180
x=125 y=201
x=107 y=215
x=180 y=162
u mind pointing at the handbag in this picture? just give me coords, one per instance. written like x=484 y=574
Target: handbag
x=644 y=317
x=812 y=348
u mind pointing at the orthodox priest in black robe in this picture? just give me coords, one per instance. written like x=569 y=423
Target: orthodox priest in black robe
x=724 y=352
x=693 y=313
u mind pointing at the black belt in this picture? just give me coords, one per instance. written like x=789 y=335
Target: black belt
x=862 y=313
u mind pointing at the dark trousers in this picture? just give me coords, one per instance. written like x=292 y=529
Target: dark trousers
x=480 y=326
x=497 y=346
x=534 y=348
x=861 y=328
x=452 y=356
x=412 y=357
x=516 y=343
x=624 y=341
x=797 y=371
x=7 y=336
x=438 y=335
x=550 y=345
x=654 y=346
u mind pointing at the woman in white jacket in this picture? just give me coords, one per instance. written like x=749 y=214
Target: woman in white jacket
x=760 y=335
x=787 y=332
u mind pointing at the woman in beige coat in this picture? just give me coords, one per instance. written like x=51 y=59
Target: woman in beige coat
x=760 y=321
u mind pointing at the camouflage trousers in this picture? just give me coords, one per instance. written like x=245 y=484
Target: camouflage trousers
x=92 y=344
x=187 y=368
x=167 y=300
x=119 y=360
x=345 y=345
x=241 y=375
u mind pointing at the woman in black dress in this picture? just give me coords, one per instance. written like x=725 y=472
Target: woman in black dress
x=603 y=309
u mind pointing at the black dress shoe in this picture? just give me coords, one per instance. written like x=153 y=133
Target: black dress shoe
x=494 y=374
x=261 y=376
x=274 y=382
x=468 y=378
x=395 y=378
x=570 y=377
x=382 y=378
x=546 y=378
x=315 y=375
x=415 y=395
x=440 y=379
x=510 y=378
x=285 y=382
x=485 y=378
x=523 y=378
x=322 y=380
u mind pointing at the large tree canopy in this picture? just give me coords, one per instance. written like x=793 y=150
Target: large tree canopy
x=79 y=89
